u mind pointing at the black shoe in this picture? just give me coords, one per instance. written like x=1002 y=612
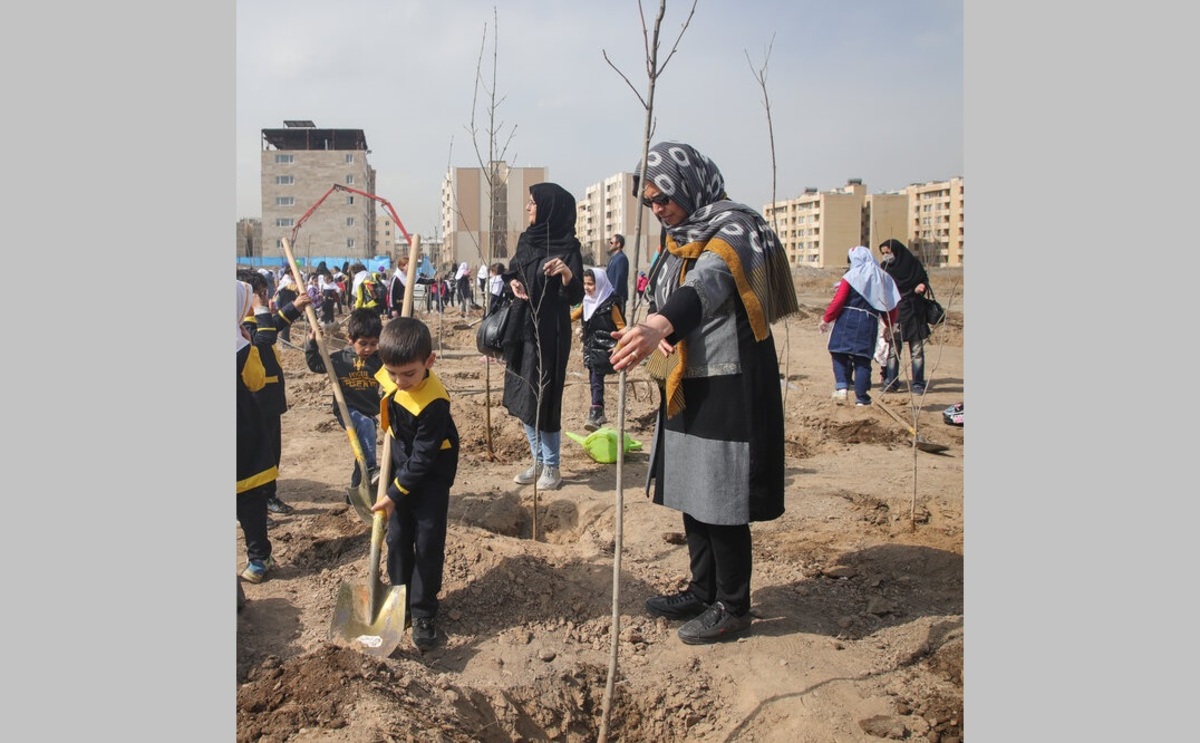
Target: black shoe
x=424 y=634
x=714 y=625
x=274 y=505
x=677 y=606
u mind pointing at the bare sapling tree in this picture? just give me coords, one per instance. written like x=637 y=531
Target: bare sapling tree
x=650 y=37
x=915 y=401
x=490 y=157
x=760 y=75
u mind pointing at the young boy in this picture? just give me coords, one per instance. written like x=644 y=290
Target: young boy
x=255 y=468
x=264 y=327
x=416 y=414
x=601 y=315
x=355 y=367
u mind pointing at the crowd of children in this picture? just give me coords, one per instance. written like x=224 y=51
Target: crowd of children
x=385 y=378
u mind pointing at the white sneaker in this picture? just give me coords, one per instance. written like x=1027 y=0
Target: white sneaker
x=839 y=395
x=550 y=479
x=525 y=477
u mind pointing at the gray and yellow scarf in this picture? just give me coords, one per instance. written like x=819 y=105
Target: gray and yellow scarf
x=733 y=231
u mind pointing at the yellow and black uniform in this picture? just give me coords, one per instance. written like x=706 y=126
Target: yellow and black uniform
x=255 y=463
x=264 y=330
x=424 y=463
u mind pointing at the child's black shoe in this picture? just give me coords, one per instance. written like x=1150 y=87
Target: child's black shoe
x=424 y=633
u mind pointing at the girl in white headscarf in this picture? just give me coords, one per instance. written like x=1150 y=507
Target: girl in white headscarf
x=601 y=315
x=865 y=297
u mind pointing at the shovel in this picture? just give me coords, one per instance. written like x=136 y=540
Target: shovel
x=370 y=618
x=360 y=497
x=919 y=441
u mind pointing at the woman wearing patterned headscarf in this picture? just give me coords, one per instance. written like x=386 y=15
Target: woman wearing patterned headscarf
x=911 y=279
x=718 y=285
x=546 y=277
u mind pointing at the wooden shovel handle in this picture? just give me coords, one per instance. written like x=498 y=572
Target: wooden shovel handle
x=311 y=314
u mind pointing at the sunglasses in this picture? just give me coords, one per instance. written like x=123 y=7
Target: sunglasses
x=662 y=200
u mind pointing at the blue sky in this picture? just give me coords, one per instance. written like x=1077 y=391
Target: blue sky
x=870 y=89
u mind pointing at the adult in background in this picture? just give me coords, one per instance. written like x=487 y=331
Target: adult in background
x=462 y=283
x=481 y=277
x=912 y=281
x=546 y=277
x=617 y=269
x=865 y=297
x=718 y=455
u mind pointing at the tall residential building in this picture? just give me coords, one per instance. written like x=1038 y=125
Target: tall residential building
x=817 y=228
x=936 y=222
x=389 y=239
x=885 y=218
x=300 y=164
x=611 y=207
x=249 y=238
x=476 y=228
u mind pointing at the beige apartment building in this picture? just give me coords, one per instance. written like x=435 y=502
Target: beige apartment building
x=936 y=221
x=611 y=207
x=817 y=228
x=300 y=164
x=477 y=229
x=249 y=237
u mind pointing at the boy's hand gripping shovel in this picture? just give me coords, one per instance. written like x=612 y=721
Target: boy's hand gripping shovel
x=371 y=618
x=360 y=497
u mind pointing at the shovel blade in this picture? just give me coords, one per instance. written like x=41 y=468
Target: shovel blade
x=930 y=447
x=361 y=500
x=374 y=630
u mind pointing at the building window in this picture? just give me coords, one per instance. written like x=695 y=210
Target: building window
x=285 y=201
x=349 y=157
x=285 y=180
x=349 y=242
x=349 y=199
x=284 y=222
x=350 y=179
x=349 y=221
x=282 y=159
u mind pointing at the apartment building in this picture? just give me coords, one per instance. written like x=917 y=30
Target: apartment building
x=817 y=228
x=936 y=221
x=387 y=236
x=300 y=163
x=249 y=238
x=611 y=207
x=476 y=228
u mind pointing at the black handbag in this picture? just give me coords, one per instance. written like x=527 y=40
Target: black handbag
x=489 y=338
x=935 y=314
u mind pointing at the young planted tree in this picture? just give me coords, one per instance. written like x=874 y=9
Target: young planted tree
x=486 y=134
x=654 y=69
x=760 y=75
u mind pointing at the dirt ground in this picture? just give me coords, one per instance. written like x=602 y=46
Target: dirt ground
x=857 y=588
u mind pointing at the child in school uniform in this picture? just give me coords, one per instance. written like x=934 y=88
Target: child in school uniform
x=415 y=412
x=256 y=469
x=264 y=327
x=600 y=313
x=355 y=367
